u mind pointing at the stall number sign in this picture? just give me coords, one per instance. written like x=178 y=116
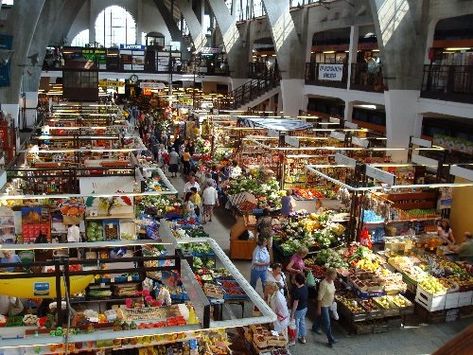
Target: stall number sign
x=331 y=72
x=342 y=159
x=360 y=142
x=421 y=142
x=292 y=141
x=41 y=288
x=273 y=133
x=428 y=162
x=338 y=136
x=380 y=175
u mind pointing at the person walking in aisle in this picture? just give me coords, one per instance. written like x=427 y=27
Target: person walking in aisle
x=325 y=299
x=265 y=229
x=210 y=200
x=278 y=304
x=186 y=161
x=173 y=162
x=191 y=182
x=197 y=201
x=189 y=207
x=288 y=204
x=300 y=296
x=259 y=263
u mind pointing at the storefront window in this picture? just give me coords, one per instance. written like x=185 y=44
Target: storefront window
x=115 y=26
x=81 y=39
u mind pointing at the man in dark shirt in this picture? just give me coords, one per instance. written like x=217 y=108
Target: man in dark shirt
x=300 y=295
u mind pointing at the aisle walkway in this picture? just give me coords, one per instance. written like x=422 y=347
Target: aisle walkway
x=422 y=339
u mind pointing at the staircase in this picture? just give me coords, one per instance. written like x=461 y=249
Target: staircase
x=254 y=91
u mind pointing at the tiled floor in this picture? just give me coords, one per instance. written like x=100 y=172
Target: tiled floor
x=422 y=339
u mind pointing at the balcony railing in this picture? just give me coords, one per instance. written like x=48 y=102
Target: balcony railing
x=365 y=77
x=326 y=74
x=448 y=82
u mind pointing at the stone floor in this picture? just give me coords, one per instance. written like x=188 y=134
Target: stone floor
x=420 y=339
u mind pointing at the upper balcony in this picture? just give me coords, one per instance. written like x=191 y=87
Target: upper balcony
x=448 y=82
x=364 y=77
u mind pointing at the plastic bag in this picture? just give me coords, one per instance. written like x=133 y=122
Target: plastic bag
x=310 y=279
x=292 y=331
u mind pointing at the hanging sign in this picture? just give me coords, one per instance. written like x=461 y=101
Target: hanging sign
x=338 y=136
x=360 y=142
x=421 y=142
x=380 y=175
x=292 y=141
x=429 y=162
x=331 y=72
x=152 y=85
x=342 y=159
x=464 y=173
x=273 y=133
x=133 y=46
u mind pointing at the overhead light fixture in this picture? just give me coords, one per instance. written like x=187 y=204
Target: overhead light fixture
x=375 y=50
x=368 y=107
x=458 y=49
x=328 y=52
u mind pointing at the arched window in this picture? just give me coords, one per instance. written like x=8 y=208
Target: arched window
x=115 y=26
x=81 y=39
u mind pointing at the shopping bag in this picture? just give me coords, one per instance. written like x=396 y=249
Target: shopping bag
x=292 y=331
x=310 y=280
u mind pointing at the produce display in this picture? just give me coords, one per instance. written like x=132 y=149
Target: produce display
x=314 y=231
x=94 y=232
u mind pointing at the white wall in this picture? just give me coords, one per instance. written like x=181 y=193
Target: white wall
x=146 y=14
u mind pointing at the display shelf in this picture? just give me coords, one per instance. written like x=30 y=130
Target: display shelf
x=115 y=216
x=101 y=244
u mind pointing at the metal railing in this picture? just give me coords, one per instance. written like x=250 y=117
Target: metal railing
x=253 y=89
x=448 y=82
x=313 y=75
x=366 y=78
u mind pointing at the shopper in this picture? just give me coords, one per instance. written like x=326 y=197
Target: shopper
x=275 y=275
x=300 y=296
x=235 y=170
x=173 y=162
x=288 y=204
x=296 y=265
x=445 y=232
x=265 y=229
x=191 y=182
x=186 y=161
x=189 y=207
x=325 y=298
x=210 y=200
x=259 y=263
x=197 y=201
x=465 y=249
x=278 y=304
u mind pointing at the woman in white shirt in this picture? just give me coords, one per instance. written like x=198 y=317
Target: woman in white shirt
x=278 y=304
x=209 y=201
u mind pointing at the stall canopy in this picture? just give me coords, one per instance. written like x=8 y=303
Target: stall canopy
x=281 y=125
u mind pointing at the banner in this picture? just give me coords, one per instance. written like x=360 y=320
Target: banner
x=331 y=72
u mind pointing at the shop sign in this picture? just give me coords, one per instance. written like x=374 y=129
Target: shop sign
x=331 y=72
x=210 y=50
x=292 y=141
x=152 y=85
x=338 y=136
x=351 y=125
x=41 y=288
x=342 y=159
x=380 y=175
x=360 y=142
x=421 y=160
x=421 y=142
x=273 y=133
x=133 y=46
x=111 y=83
x=464 y=173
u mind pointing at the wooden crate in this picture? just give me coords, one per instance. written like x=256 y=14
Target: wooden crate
x=430 y=302
x=242 y=249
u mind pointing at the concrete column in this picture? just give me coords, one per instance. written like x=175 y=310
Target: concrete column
x=139 y=20
x=29 y=102
x=235 y=46
x=352 y=52
x=402 y=37
x=290 y=42
x=92 y=34
x=195 y=27
x=24 y=15
x=348 y=114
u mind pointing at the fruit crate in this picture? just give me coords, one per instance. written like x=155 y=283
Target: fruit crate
x=348 y=314
x=361 y=328
x=430 y=302
x=380 y=327
x=394 y=323
x=111 y=229
x=465 y=298
x=452 y=300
